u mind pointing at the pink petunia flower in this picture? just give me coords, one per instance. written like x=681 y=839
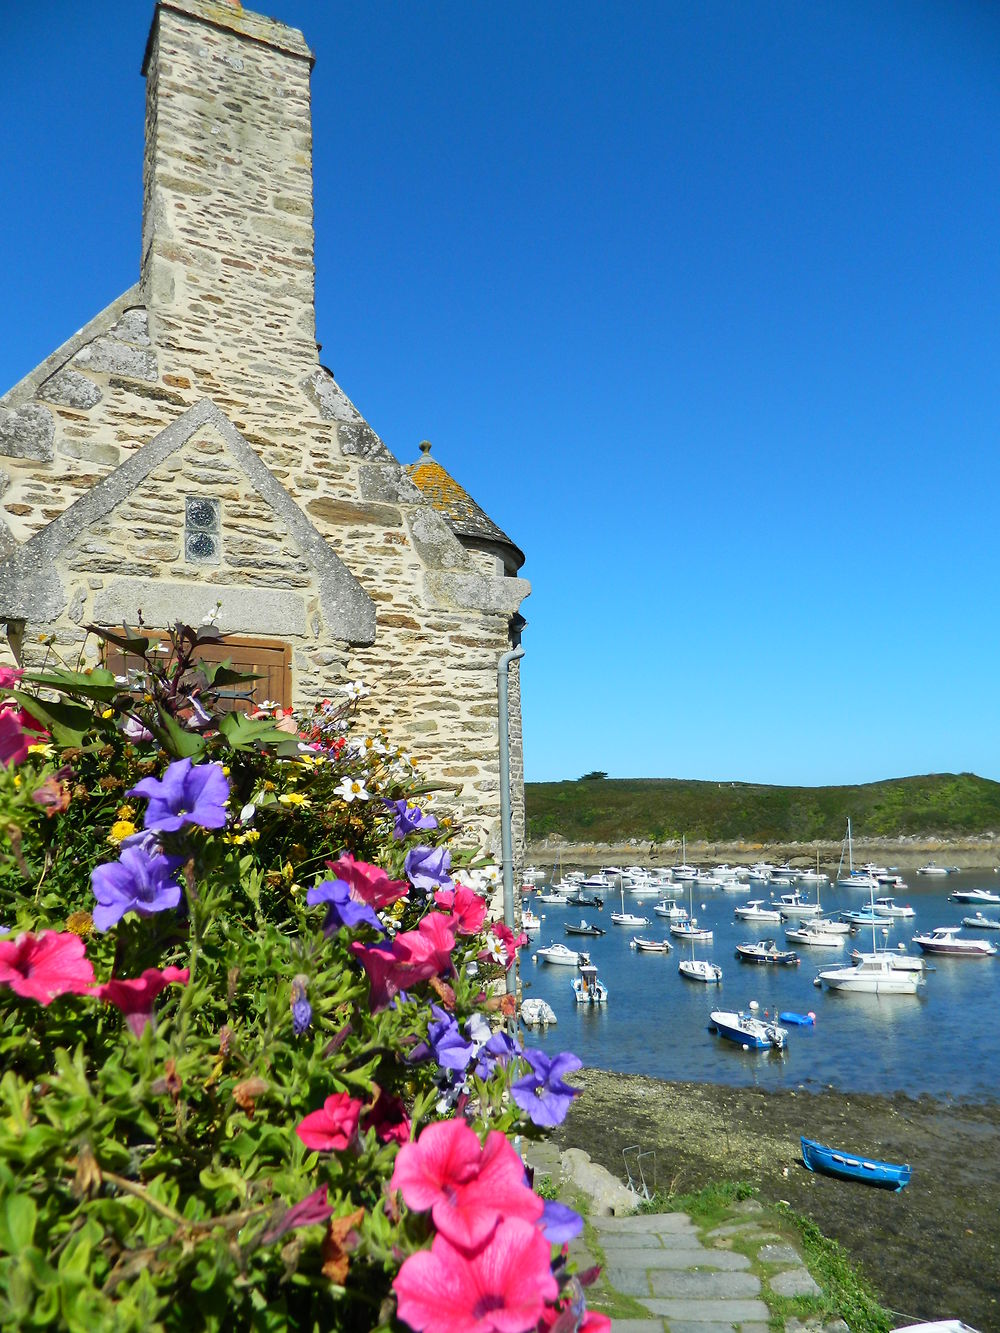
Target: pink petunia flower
x=369 y=884
x=40 y=967
x=333 y=1126
x=135 y=998
x=502 y=1288
x=10 y=677
x=387 y=1116
x=467 y=908
x=14 y=741
x=467 y=1187
x=385 y=976
x=426 y=951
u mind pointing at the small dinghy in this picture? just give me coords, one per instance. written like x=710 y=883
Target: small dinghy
x=766 y=951
x=537 y=1013
x=650 y=946
x=799 y=1020
x=887 y=1175
x=980 y=922
x=583 y=927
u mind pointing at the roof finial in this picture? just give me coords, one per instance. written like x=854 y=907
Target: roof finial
x=425 y=446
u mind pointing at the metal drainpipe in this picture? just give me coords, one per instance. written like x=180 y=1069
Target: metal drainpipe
x=506 y=833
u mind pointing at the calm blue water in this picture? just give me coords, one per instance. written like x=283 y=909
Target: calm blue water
x=656 y=1022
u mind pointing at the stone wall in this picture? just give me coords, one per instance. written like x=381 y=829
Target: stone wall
x=204 y=381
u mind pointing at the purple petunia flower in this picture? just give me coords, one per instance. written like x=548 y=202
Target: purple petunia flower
x=450 y=1049
x=560 y=1223
x=301 y=1016
x=543 y=1095
x=427 y=867
x=187 y=794
x=137 y=882
x=343 y=911
x=409 y=818
x=499 y=1050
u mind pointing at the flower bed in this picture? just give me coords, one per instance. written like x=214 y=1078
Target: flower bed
x=254 y=1071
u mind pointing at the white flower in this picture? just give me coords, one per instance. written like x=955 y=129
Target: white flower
x=247 y=813
x=212 y=616
x=495 y=948
x=373 y=745
x=350 y=789
x=355 y=689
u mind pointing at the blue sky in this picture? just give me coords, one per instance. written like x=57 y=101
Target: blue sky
x=698 y=301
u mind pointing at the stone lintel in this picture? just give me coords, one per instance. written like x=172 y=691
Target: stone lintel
x=272 y=612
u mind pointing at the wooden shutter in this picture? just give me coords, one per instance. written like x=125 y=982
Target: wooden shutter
x=268 y=659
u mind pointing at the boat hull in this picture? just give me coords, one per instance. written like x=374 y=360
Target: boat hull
x=700 y=970
x=833 y=1162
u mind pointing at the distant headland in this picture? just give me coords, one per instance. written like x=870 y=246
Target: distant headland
x=950 y=818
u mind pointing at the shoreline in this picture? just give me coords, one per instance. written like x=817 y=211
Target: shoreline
x=981 y=854
x=930 y=1251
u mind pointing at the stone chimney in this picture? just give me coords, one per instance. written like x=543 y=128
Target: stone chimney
x=227 y=227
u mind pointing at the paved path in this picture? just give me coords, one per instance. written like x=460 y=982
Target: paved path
x=686 y=1281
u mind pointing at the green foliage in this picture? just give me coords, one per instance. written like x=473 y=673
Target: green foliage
x=146 y=1181
x=661 y=809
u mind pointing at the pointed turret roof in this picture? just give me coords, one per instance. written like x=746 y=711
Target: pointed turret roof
x=457 y=506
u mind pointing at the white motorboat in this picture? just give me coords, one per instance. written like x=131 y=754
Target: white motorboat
x=793 y=905
x=689 y=930
x=530 y=923
x=815 y=936
x=551 y=898
x=946 y=940
x=931 y=869
x=537 y=1013
x=974 y=896
x=832 y=927
x=724 y=872
x=760 y=872
x=669 y=907
x=873 y=974
x=561 y=955
x=889 y=907
x=699 y=969
x=901 y=961
x=757 y=910
x=588 y=987
x=893 y=881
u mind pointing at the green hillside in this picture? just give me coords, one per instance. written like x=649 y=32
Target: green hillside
x=660 y=809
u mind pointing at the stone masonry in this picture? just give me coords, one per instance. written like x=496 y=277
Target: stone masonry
x=203 y=384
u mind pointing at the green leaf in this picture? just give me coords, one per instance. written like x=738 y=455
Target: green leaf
x=68 y=722
x=127 y=642
x=19 y=1218
x=97 y=684
x=243 y=732
x=174 y=738
x=218 y=674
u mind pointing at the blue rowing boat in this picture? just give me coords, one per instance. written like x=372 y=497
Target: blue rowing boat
x=888 y=1175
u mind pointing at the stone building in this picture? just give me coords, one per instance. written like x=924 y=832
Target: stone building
x=187 y=446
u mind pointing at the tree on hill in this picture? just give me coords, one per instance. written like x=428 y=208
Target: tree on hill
x=597 y=773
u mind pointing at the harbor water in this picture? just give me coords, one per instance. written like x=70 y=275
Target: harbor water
x=656 y=1022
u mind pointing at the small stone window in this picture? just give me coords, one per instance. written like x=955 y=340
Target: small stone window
x=202 y=530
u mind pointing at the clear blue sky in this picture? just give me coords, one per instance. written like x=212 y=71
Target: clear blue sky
x=699 y=301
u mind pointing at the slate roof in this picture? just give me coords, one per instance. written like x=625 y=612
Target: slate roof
x=455 y=503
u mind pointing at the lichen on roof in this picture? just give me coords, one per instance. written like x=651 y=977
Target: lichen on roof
x=444 y=493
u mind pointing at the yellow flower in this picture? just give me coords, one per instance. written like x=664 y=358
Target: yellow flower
x=251 y=835
x=126 y=811
x=120 y=830
x=269 y=786
x=108 y=712
x=225 y=770
x=80 y=923
x=294 y=798
x=41 y=748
